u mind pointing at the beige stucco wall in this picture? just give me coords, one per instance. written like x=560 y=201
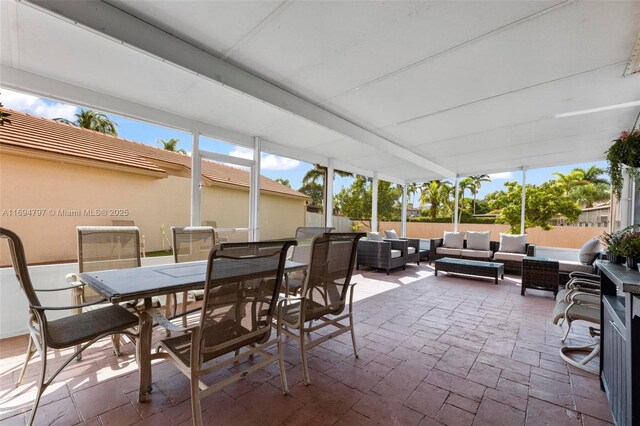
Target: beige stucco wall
x=560 y=236
x=51 y=187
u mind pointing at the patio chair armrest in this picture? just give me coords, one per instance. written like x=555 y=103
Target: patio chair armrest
x=399 y=245
x=584 y=298
x=584 y=275
x=66 y=308
x=55 y=289
x=577 y=283
x=162 y=321
x=433 y=245
x=531 y=249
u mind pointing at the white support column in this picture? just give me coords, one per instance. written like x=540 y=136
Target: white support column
x=403 y=226
x=374 y=203
x=328 y=191
x=523 y=208
x=196 y=179
x=455 y=208
x=254 y=193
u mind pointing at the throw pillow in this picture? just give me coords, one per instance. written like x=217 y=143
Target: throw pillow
x=589 y=251
x=513 y=243
x=374 y=236
x=478 y=240
x=453 y=240
x=392 y=235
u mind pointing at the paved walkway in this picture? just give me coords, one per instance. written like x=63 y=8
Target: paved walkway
x=433 y=350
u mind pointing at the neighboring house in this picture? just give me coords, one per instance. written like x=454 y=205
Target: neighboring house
x=413 y=211
x=54 y=177
x=597 y=216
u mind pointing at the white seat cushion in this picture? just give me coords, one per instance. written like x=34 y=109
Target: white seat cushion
x=453 y=240
x=411 y=250
x=513 y=243
x=476 y=254
x=500 y=255
x=396 y=253
x=478 y=240
x=448 y=251
x=572 y=266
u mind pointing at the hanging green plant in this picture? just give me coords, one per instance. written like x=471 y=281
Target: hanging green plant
x=625 y=152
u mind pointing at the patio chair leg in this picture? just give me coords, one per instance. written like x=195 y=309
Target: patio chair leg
x=305 y=368
x=283 y=373
x=115 y=341
x=41 y=384
x=195 y=401
x=353 y=336
x=184 y=308
x=593 y=350
x=568 y=330
x=30 y=351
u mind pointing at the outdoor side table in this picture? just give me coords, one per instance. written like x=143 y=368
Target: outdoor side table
x=540 y=273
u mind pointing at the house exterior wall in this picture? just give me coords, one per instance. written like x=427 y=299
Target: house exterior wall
x=64 y=196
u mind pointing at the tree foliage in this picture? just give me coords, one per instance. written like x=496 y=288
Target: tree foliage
x=171 y=145
x=313 y=190
x=543 y=203
x=355 y=201
x=97 y=121
x=283 y=181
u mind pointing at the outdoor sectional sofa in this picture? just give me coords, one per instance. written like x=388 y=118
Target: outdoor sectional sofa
x=512 y=261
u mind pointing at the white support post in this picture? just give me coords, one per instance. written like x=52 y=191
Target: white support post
x=328 y=191
x=254 y=193
x=196 y=179
x=374 y=203
x=455 y=208
x=403 y=225
x=523 y=208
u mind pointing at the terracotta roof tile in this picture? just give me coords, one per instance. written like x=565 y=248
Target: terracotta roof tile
x=33 y=134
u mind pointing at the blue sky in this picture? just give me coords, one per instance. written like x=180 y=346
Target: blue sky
x=272 y=166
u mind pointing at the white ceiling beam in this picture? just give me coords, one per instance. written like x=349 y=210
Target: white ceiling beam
x=38 y=85
x=121 y=27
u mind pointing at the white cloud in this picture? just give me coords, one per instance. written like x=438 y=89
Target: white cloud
x=268 y=161
x=36 y=106
x=503 y=175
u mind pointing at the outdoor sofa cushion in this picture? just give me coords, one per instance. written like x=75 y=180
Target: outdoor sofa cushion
x=572 y=266
x=448 y=251
x=589 y=251
x=453 y=240
x=411 y=250
x=478 y=240
x=513 y=243
x=396 y=253
x=393 y=235
x=476 y=254
x=500 y=255
x=374 y=236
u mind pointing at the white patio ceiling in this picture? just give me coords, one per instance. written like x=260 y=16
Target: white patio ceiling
x=411 y=90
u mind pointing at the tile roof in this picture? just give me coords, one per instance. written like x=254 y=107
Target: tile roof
x=36 y=136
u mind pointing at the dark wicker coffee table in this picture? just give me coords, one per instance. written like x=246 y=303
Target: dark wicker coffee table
x=470 y=267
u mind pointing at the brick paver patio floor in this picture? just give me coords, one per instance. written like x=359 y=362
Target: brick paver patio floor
x=433 y=350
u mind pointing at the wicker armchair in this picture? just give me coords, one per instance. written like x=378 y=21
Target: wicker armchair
x=190 y=244
x=236 y=314
x=324 y=296
x=387 y=254
x=301 y=253
x=413 y=249
x=80 y=330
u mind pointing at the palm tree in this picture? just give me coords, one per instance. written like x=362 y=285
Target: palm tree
x=313 y=175
x=4 y=117
x=435 y=193
x=97 y=121
x=569 y=181
x=476 y=184
x=283 y=181
x=171 y=145
x=463 y=184
x=592 y=175
x=587 y=195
